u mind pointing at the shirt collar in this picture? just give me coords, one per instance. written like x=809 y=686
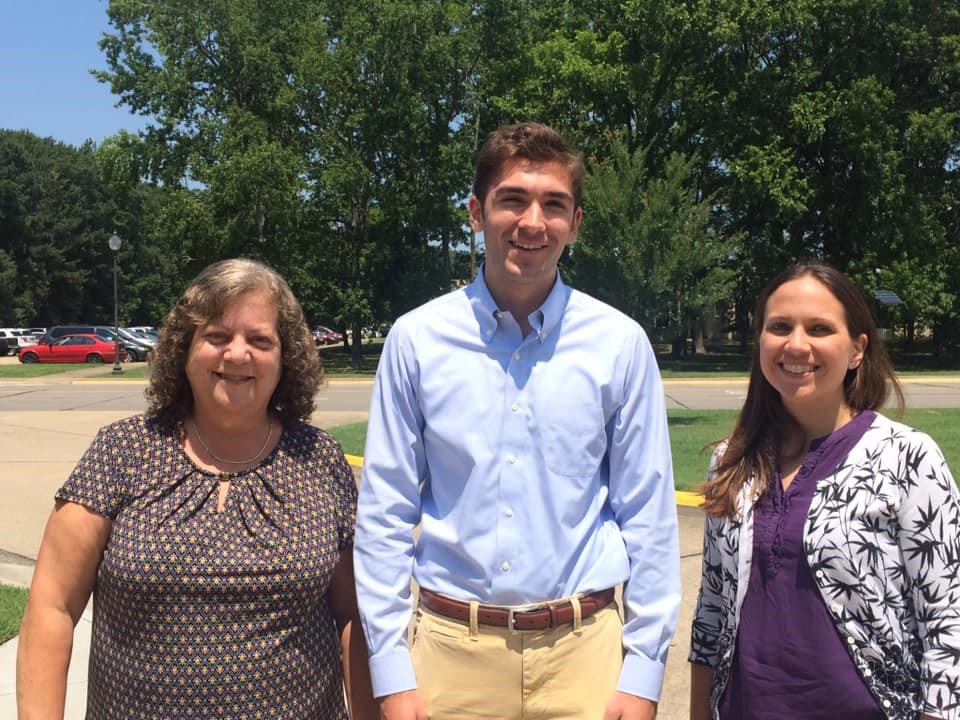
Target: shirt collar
x=544 y=320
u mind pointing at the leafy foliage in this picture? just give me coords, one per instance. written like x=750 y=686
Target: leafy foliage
x=334 y=140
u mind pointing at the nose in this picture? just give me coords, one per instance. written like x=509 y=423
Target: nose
x=532 y=217
x=797 y=339
x=237 y=349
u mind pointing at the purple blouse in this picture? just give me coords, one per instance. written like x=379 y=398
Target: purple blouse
x=789 y=661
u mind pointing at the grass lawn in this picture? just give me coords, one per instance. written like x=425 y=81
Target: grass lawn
x=13 y=601
x=39 y=369
x=691 y=430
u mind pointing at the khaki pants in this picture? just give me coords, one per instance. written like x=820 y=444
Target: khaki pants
x=491 y=672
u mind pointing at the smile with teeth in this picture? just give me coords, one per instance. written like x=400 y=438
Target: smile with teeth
x=797 y=369
x=525 y=246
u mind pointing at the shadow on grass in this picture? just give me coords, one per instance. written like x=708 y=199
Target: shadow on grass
x=689 y=420
x=338 y=360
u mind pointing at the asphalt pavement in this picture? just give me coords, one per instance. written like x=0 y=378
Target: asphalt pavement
x=38 y=448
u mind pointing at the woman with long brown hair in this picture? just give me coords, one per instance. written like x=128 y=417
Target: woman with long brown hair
x=831 y=567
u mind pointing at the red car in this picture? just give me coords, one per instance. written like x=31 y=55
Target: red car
x=71 y=349
x=325 y=336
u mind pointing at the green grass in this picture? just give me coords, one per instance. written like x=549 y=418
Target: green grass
x=38 y=369
x=691 y=430
x=337 y=360
x=13 y=601
x=351 y=437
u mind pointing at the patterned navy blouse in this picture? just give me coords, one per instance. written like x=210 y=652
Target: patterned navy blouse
x=207 y=614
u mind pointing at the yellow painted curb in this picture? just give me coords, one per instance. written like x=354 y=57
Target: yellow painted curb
x=688 y=499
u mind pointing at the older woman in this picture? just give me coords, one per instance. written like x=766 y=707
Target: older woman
x=215 y=531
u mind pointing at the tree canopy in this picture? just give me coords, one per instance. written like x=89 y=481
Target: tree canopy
x=335 y=141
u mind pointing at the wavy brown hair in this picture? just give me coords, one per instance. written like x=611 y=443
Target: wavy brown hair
x=169 y=395
x=525 y=141
x=764 y=424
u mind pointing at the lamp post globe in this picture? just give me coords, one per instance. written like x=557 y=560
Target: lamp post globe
x=115 y=242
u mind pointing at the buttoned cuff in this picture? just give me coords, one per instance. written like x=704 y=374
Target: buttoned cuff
x=392 y=672
x=641 y=676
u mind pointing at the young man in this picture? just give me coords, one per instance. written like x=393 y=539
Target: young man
x=522 y=425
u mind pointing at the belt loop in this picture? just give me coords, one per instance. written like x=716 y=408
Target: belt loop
x=577 y=614
x=474 y=622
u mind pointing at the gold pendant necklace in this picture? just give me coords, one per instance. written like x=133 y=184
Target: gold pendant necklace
x=211 y=453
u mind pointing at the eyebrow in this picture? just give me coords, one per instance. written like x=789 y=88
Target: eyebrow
x=520 y=190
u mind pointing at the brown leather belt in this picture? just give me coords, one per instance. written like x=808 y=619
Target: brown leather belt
x=522 y=617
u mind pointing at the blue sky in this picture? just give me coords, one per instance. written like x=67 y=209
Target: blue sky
x=47 y=48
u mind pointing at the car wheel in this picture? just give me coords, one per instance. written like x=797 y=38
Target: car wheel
x=94 y=358
x=29 y=358
x=130 y=357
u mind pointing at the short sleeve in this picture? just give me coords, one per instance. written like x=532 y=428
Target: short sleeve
x=97 y=480
x=343 y=488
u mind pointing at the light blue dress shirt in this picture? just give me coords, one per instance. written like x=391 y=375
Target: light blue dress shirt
x=539 y=467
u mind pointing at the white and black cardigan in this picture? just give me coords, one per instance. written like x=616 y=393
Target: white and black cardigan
x=882 y=539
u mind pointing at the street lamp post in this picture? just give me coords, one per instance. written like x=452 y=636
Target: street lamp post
x=115 y=242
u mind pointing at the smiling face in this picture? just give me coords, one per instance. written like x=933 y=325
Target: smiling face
x=527 y=218
x=234 y=363
x=806 y=349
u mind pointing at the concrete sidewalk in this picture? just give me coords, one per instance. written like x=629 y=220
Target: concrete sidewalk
x=28 y=483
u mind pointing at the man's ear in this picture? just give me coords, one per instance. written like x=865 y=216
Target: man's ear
x=476 y=213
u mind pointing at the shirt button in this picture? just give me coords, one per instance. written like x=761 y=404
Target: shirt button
x=505 y=566
x=867 y=672
x=835 y=608
x=516 y=356
x=819 y=573
x=886 y=703
x=512 y=459
x=850 y=640
x=508 y=512
x=514 y=407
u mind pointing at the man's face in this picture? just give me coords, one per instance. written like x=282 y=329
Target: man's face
x=528 y=218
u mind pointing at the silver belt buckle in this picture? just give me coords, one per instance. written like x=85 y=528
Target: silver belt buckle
x=512 y=611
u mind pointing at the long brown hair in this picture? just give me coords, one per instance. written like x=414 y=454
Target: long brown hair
x=764 y=423
x=169 y=395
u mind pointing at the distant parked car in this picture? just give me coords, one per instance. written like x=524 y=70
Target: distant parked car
x=151 y=337
x=8 y=341
x=142 y=328
x=136 y=349
x=12 y=339
x=71 y=349
x=323 y=335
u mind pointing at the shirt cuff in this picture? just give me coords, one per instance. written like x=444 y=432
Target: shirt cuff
x=641 y=676
x=392 y=672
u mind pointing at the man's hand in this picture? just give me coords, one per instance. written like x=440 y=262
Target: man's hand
x=624 y=706
x=406 y=705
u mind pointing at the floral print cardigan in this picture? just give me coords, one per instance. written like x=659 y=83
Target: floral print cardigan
x=882 y=539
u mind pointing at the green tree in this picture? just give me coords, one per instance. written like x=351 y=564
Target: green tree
x=646 y=245
x=55 y=219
